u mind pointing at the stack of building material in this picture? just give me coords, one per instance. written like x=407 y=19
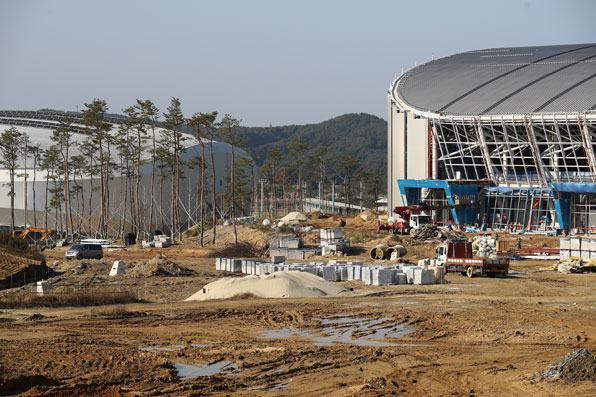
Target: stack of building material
x=383 y=276
x=409 y=271
x=291 y=247
x=484 y=247
x=336 y=271
x=333 y=243
x=576 y=247
x=159 y=241
x=423 y=276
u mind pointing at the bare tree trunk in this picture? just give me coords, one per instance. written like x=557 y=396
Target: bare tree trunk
x=203 y=211
x=234 y=197
x=90 y=202
x=152 y=181
x=213 y=184
x=33 y=187
x=11 y=200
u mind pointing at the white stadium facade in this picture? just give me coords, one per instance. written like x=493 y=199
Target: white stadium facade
x=39 y=126
x=504 y=138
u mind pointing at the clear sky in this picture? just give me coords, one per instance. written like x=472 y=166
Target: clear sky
x=263 y=61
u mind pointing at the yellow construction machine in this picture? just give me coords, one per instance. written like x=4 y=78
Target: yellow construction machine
x=33 y=235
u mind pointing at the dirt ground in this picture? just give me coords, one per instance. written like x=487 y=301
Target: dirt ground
x=479 y=336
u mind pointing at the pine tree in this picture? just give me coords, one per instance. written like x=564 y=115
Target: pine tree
x=196 y=123
x=36 y=151
x=10 y=147
x=174 y=119
x=94 y=119
x=229 y=134
x=63 y=137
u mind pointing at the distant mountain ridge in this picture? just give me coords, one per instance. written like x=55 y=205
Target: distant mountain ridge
x=363 y=134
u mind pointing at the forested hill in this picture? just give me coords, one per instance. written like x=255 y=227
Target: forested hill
x=363 y=134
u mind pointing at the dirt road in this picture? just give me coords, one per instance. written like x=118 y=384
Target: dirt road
x=475 y=336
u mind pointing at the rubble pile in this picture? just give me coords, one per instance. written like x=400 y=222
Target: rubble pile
x=432 y=233
x=575 y=265
x=484 y=247
x=575 y=367
x=160 y=265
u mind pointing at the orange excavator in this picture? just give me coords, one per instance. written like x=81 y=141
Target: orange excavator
x=33 y=235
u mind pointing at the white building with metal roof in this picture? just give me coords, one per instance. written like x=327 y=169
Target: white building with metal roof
x=39 y=126
x=509 y=131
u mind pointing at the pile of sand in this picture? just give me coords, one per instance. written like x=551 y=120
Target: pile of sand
x=160 y=265
x=291 y=284
x=294 y=216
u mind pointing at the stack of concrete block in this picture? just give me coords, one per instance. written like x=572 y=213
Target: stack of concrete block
x=409 y=271
x=332 y=242
x=423 y=276
x=330 y=273
x=575 y=246
x=335 y=271
x=564 y=248
x=162 y=241
x=383 y=276
x=584 y=248
x=399 y=278
x=366 y=274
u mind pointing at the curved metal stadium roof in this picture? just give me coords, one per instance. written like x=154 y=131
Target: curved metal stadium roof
x=502 y=81
x=39 y=126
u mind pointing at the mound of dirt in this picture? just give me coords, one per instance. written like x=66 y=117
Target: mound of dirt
x=575 y=367
x=240 y=250
x=294 y=216
x=160 y=265
x=291 y=284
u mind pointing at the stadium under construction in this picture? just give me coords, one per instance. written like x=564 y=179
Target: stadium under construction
x=503 y=138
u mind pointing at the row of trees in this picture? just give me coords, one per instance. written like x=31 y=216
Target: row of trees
x=106 y=154
x=287 y=185
x=140 y=143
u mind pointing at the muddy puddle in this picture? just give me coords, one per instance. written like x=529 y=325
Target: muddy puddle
x=347 y=329
x=191 y=371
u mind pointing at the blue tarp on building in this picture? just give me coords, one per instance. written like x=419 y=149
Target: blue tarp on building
x=581 y=188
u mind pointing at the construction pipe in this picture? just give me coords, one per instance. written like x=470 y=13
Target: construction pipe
x=378 y=252
x=400 y=251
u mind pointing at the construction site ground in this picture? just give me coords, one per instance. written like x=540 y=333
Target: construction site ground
x=478 y=336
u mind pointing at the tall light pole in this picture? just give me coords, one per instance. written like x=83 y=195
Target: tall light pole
x=262 y=182
x=333 y=197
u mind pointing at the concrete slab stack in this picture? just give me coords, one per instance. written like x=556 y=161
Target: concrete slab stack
x=382 y=276
x=399 y=278
x=423 y=276
x=333 y=242
x=335 y=270
x=410 y=273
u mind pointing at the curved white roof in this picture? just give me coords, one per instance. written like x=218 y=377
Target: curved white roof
x=39 y=125
x=503 y=81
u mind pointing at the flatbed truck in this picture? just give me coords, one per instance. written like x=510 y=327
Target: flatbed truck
x=456 y=255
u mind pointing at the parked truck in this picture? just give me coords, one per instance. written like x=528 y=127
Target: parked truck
x=409 y=220
x=456 y=255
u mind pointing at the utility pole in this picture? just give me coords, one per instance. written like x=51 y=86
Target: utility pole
x=361 y=195
x=320 y=202
x=333 y=197
x=262 y=182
